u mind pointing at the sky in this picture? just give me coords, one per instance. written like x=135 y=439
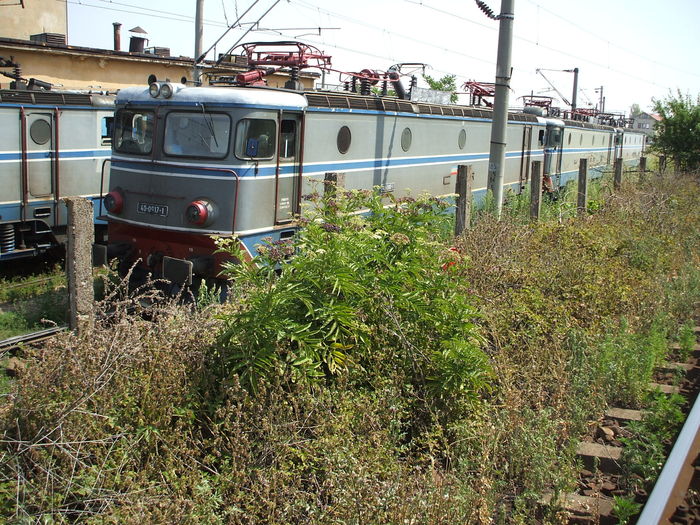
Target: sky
x=636 y=50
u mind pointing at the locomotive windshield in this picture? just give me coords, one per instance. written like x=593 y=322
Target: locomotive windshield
x=134 y=131
x=255 y=138
x=197 y=134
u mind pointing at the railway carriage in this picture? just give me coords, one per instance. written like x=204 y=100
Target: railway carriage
x=53 y=145
x=192 y=162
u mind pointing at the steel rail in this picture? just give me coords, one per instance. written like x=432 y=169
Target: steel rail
x=26 y=284
x=670 y=487
x=7 y=345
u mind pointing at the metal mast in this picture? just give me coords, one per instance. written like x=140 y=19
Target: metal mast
x=198 y=36
x=497 y=153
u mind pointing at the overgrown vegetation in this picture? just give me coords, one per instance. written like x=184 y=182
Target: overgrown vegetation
x=384 y=374
x=678 y=132
x=32 y=303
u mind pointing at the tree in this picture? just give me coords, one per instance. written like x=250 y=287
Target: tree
x=635 y=111
x=446 y=83
x=678 y=132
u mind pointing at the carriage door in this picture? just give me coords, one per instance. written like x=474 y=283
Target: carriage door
x=39 y=138
x=525 y=157
x=288 y=178
x=553 y=151
x=618 y=145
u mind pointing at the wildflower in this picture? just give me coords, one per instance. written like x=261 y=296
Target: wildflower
x=330 y=227
x=399 y=239
x=315 y=196
x=405 y=200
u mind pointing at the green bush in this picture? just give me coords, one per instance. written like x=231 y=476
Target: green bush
x=364 y=293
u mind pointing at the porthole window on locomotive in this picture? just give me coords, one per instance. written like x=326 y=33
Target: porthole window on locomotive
x=40 y=131
x=344 y=139
x=189 y=134
x=462 y=139
x=406 y=139
x=256 y=138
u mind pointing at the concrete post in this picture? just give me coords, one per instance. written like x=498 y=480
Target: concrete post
x=662 y=164
x=198 y=37
x=582 y=200
x=79 y=263
x=330 y=183
x=497 y=153
x=617 y=181
x=536 y=190
x=642 y=168
x=463 y=189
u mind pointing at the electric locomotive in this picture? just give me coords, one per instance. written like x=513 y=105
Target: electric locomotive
x=53 y=145
x=189 y=163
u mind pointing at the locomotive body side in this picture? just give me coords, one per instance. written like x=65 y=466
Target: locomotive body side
x=53 y=145
x=237 y=161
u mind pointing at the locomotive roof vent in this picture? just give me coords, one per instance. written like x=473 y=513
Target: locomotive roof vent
x=533 y=110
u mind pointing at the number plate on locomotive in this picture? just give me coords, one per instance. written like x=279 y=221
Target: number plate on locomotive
x=152 y=209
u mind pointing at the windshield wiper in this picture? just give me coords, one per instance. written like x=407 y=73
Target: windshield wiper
x=210 y=125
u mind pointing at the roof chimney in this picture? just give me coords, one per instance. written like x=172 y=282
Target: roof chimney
x=137 y=43
x=117 y=36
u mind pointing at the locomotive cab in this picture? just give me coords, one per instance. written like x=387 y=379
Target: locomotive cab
x=553 y=140
x=202 y=162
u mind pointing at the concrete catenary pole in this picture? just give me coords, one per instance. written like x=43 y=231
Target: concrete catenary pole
x=575 y=93
x=497 y=153
x=198 y=37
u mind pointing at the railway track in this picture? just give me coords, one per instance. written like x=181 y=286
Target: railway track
x=675 y=497
x=28 y=283
x=667 y=502
x=13 y=343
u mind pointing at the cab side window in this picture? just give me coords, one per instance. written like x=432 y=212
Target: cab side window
x=256 y=139
x=134 y=131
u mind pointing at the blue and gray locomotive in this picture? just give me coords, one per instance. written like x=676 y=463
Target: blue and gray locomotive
x=192 y=162
x=53 y=145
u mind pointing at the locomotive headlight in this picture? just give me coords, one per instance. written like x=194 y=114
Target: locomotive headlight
x=166 y=90
x=114 y=201
x=201 y=212
x=154 y=89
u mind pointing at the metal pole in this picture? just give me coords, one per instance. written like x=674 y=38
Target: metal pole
x=198 y=36
x=497 y=153
x=573 y=96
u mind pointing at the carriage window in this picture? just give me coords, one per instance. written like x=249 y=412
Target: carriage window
x=462 y=138
x=344 y=139
x=134 y=131
x=199 y=134
x=107 y=128
x=288 y=139
x=255 y=138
